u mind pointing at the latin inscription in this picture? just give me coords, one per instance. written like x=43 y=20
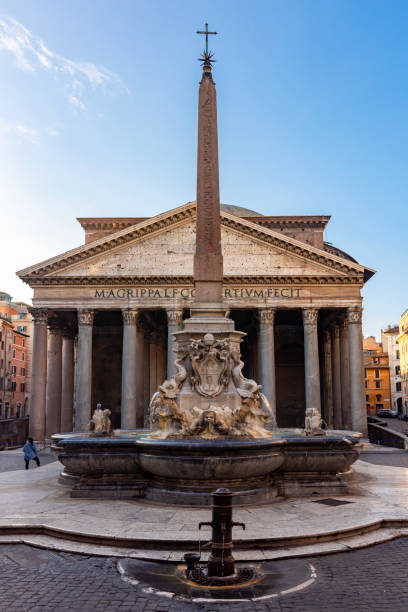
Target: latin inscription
x=235 y=293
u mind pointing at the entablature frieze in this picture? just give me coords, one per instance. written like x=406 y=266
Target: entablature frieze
x=107 y=281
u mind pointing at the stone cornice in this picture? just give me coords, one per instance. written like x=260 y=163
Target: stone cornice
x=108 y=281
x=290 y=245
x=173 y=218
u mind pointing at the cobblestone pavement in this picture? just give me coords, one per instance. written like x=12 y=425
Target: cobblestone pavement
x=372 y=579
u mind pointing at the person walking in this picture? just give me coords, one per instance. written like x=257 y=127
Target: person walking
x=30 y=452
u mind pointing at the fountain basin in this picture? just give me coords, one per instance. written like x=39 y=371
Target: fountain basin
x=130 y=464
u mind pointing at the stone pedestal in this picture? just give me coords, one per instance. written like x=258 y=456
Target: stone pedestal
x=38 y=374
x=83 y=395
x=54 y=381
x=312 y=374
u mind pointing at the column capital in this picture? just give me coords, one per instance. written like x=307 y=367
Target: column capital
x=267 y=315
x=130 y=316
x=174 y=316
x=310 y=316
x=54 y=324
x=355 y=314
x=86 y=317
x=40 y=315
x=68 y=331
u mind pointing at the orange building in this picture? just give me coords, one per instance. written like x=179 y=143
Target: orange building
x=377 y=381
x=14 y=352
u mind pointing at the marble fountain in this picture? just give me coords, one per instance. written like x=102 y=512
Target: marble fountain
x=209 y=425
x=210 y=428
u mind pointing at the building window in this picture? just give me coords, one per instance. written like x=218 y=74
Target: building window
x=397 y=354
x=377 y=373
x=13 y=385
x=378 y=384
x=14 y=353
x=376 y=360
x=397 y=370
x=14 y=339
x=14 y=370
x=22 y=387
x=398 y=386
x=378 y=398
x=24 y=338
x=367 y=398
x=22 y=370
x=23 y=356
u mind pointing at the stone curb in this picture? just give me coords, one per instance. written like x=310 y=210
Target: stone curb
x=379 y=536
x=368 y=534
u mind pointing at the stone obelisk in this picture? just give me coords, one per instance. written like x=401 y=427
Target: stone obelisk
x=208 y=268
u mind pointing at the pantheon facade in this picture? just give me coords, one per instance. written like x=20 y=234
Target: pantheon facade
x=105 y=314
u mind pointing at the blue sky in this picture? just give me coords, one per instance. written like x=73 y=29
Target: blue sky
x=98 y=118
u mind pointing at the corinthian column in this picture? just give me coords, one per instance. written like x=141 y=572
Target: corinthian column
x=358 y=409
x=68 y=371
x=328 y=379
x=83 y=394
x=54 y=380
x=141 y=373
x=345 y=374
x=129 y=369
x=174 y=317
x=38 y=374
x=266 y=358
x=338 y=420
x=312 y=374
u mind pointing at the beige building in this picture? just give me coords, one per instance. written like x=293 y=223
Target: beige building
x=392 y=348
x=124 y=292
x=402 y=340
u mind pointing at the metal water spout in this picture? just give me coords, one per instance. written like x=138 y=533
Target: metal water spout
x=221 y=563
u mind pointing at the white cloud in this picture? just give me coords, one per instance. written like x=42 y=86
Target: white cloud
x=25 y=132
x=19 y=131
x=31 y=54
x=76 y=102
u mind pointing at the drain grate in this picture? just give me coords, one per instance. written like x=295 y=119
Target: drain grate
x=330 y=501
x=200 y=577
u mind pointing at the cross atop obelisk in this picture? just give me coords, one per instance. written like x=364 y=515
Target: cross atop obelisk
x=206 y=32
x=208 y=269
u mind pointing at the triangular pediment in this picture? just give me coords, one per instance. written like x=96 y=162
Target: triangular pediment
x=163 y=246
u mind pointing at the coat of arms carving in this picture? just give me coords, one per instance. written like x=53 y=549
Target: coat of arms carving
x=210 y=364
